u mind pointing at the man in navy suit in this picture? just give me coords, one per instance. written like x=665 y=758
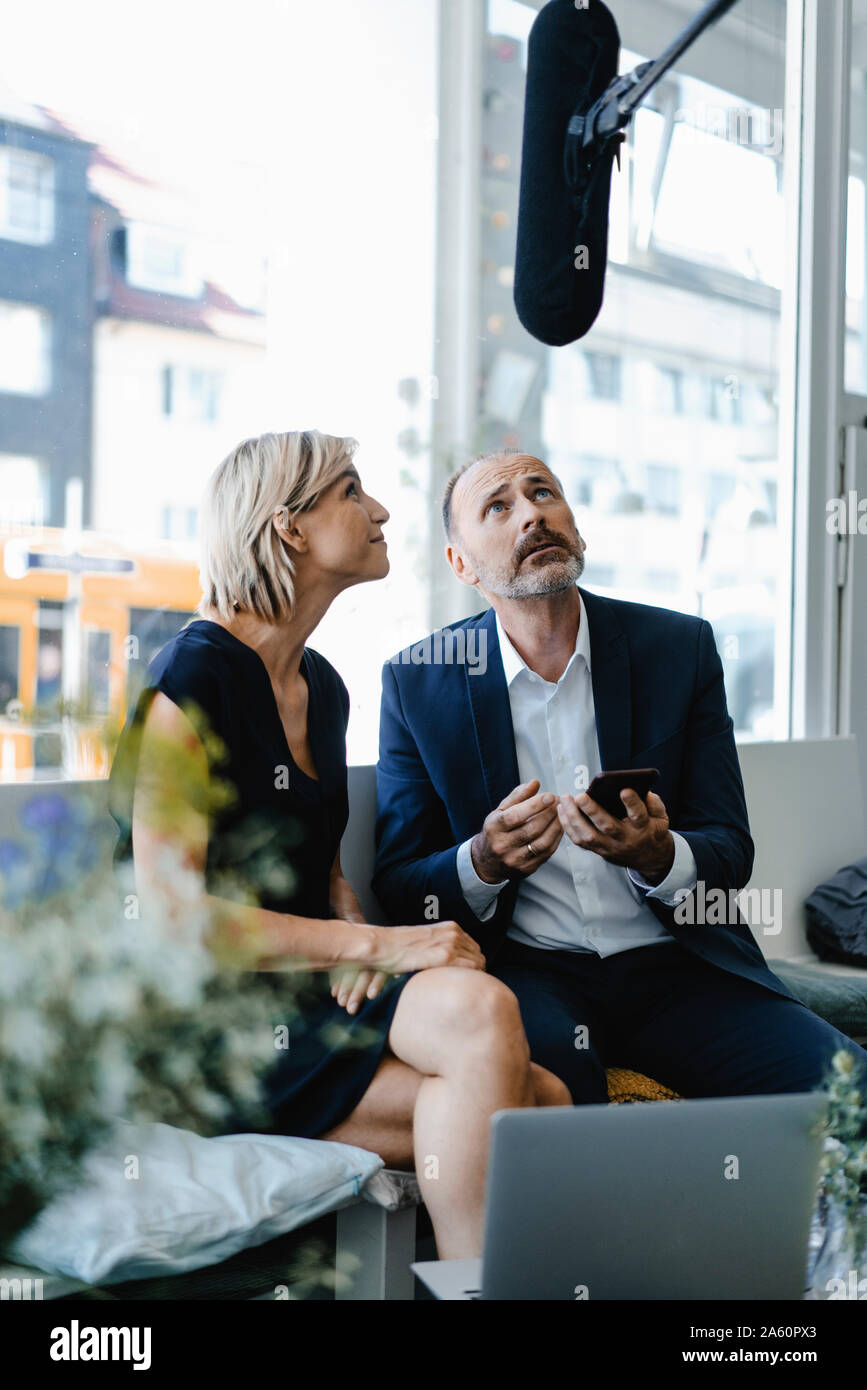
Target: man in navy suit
x=489 y=733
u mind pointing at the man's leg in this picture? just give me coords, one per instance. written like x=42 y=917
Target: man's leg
x=559 y=1015
x=705 y=1032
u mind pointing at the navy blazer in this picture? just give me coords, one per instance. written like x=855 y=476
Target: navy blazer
x=447 y=758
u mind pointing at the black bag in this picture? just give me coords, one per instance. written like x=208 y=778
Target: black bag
x=837 y=916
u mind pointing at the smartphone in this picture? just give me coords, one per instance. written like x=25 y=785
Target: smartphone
x=606 y=788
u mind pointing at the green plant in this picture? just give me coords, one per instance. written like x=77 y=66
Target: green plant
x=106 y=1012
x=844 y=1160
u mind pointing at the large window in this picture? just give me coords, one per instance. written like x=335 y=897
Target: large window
x=663 y=422
x=336 y=250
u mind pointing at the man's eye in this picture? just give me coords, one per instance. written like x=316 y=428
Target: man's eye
x=352 y=488
x=544 y=489
x=491 y=507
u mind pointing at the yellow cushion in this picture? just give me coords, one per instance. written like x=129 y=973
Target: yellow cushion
x=631 y=1085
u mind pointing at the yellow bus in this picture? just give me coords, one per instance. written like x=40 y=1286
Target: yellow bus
x=80 y=618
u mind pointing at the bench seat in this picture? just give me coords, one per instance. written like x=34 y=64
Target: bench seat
x=837 y=993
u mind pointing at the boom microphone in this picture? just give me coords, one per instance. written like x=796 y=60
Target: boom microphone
x=575 y=112
x=572 y=56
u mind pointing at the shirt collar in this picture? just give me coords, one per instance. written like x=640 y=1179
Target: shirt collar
x=514 y=663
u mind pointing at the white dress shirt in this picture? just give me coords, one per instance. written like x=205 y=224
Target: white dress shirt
x=575 y=900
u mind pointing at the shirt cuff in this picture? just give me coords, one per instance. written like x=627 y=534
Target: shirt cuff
x=480 y=897
x=683 y=874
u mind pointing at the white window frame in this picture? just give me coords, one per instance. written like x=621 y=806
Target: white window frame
x=182 y=397
x=43 y=376
x=188 y=284
x=44 y=196
x=11 y=512
x=829 y=647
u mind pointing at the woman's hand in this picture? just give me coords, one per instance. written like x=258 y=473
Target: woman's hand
x=400 y=950
x=350 y=986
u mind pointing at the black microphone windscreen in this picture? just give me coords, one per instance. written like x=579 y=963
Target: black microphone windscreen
x=562 y=244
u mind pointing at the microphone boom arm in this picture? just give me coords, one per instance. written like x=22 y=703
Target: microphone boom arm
x=591 y=133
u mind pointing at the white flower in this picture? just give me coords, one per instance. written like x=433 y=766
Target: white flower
x=97 y=999
x=27 y=1036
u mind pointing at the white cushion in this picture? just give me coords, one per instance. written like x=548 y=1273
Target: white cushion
x=195 y=1201
x=393 y=1189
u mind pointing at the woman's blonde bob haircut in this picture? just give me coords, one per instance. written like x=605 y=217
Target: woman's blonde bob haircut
x=245 y=565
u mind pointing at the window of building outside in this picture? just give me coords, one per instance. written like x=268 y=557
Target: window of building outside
x=49 y=660
x=25 y=349
x=591 y=472
x=192 y=394
x=161 y=260
x=663 y=489
x=603 y=375
x=670 y=389
x=663 y=422
x=26 y=196
x=10 y=642
x=23 y=484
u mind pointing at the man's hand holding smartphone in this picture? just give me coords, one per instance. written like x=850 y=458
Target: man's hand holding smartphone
x=637 y=837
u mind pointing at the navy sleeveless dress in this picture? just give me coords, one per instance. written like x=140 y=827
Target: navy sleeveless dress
x=277 y=838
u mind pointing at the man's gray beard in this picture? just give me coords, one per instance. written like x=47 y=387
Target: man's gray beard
x=552 y=578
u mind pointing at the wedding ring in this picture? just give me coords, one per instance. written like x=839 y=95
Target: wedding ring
x=531 y=851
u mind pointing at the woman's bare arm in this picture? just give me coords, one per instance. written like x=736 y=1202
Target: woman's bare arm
x=342 y=896
x=350 y=985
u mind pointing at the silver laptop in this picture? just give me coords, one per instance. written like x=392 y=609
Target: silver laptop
x=696 y=1199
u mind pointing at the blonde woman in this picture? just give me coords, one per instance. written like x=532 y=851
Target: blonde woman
x=430 y=1045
